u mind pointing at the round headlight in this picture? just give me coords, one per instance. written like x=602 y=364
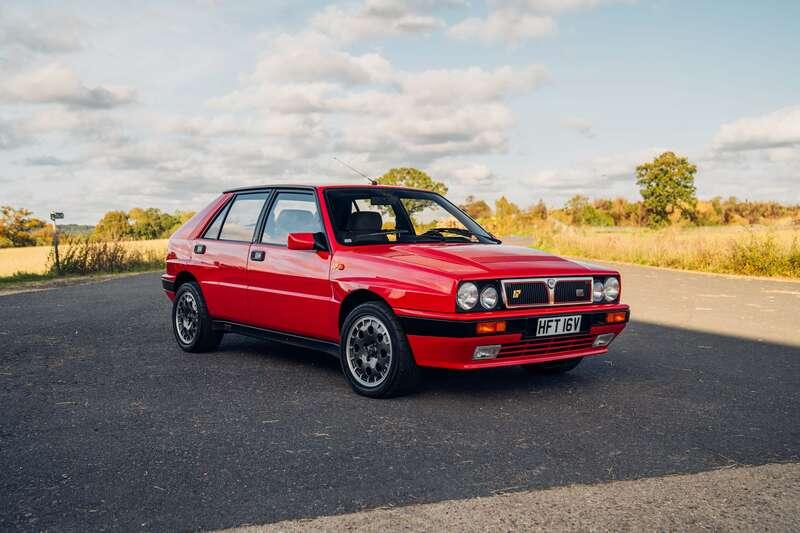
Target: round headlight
x=489 y=297
x=611 y=291
x=598 y=291
x=467 y=296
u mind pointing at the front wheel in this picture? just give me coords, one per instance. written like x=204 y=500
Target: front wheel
x=375 y=356
x=190 y=320
x=554 y=367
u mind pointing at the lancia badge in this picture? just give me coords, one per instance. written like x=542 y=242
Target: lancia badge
x=551 y=283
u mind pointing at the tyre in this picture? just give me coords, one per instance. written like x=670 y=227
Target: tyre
x=375 y=356
x=190 y=321
x=554 y=367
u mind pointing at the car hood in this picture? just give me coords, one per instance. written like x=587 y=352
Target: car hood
x=483 y=260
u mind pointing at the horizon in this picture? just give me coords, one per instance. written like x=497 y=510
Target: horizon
x=167 y=105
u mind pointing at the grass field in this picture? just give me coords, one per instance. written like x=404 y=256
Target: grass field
x=749 y=250
x=35 y=259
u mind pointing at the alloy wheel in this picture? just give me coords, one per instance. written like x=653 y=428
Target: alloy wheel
x=187 y=317
x=369 y=351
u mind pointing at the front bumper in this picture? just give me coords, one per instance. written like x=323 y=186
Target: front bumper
x=451 y=343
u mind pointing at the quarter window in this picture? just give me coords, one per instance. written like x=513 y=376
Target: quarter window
x=240 y=224
x=291 y=213
x=212 y=231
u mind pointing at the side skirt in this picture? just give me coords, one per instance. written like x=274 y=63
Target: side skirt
x=319 y=345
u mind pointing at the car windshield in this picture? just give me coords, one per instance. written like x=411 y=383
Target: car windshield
x=380 y=216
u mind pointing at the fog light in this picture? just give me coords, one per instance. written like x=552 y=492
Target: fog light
x=616 y=317
x=486 y=352
x=485 y=328
x=603 y=340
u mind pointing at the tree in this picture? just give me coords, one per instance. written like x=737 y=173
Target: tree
x=113 y=226
x=19 y=228
x=581 y=213
x=505 y=209
x=476 y=208
x=539 y=210
x=667 y=188
x=412 y=177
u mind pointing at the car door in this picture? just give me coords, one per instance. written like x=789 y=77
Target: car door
x=290 y=290
x=221 y=256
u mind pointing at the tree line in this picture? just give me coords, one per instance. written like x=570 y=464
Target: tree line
x=668 y=196
x=666 y=185
x=18 y=226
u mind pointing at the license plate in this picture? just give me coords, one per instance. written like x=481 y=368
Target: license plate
x=558 y=325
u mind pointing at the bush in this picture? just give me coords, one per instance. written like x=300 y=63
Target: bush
x=81 y=255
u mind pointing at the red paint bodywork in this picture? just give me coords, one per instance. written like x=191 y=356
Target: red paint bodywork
x=301 y=291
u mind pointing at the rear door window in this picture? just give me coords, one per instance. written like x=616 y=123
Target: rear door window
x=242 y=218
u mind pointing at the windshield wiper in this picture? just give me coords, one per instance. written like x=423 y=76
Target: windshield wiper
x=358 y=236
x=463 y=232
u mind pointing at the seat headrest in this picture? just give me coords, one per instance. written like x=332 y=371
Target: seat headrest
x=296 y=221
x=365 y=221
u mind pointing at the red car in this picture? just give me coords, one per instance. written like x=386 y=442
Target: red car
x=388 y=279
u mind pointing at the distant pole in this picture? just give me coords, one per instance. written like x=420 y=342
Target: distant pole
x=56 y=215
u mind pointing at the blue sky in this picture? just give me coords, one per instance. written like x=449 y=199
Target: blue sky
x=111 y=105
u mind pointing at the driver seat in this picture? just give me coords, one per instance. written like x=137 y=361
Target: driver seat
x=365 y=222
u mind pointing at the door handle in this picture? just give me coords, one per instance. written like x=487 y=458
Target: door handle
x=257 y=255
x=199 y=248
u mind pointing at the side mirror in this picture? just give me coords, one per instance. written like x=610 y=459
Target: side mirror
x=307 y=241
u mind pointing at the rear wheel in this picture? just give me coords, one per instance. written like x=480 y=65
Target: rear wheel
x=375 y=356
x=190 y=320
x=554 y=367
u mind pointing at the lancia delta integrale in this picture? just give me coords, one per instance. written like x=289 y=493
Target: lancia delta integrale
x=388 y=280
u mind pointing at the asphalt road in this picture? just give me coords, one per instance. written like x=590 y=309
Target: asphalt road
x=106 y=424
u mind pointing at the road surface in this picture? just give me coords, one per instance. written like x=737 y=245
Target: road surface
x=106 y=424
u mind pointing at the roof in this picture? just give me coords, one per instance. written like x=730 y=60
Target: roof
x=314 y=187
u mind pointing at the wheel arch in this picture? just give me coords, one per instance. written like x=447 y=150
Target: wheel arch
x=184 y=277
x=354 y=299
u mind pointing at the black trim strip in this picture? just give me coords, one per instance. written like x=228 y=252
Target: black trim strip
x=319 y=345
x=431 y=327
x=168 y=285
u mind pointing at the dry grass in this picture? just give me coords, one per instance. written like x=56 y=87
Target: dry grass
x=763 y=251
x=35 y=259
x=755 y=250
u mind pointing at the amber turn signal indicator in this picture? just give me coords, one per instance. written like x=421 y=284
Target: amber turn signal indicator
x=615 y=318
x=483 y=328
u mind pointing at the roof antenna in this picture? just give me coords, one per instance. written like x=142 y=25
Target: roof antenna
x=372 y=181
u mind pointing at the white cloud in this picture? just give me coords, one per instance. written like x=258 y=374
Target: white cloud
x=780 y=128
x=515 y=21
x=45 y=32
x=57 y=83
x=310 y=57
x=464 y=175
x=472 y=84
x=601 y=176
x=504 y=25
x=371 y=106
x=381 y=18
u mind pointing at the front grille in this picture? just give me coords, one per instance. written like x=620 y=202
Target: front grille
x=547 y=346
x=530 y=292
x=526 y=293
x=573 y=291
